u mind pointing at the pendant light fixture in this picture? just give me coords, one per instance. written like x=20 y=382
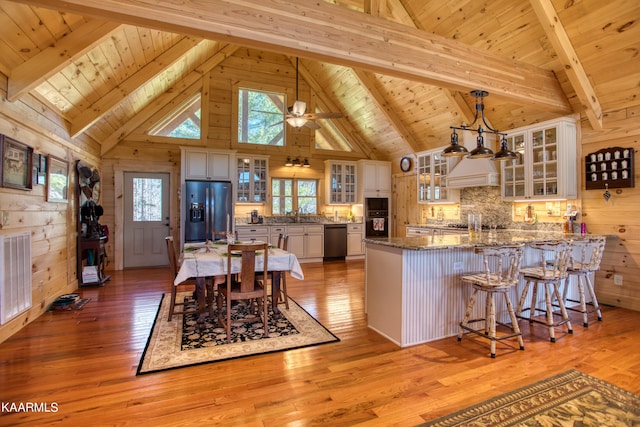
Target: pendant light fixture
x=457 y=150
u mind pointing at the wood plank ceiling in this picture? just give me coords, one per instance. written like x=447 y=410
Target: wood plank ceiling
x=399 y=70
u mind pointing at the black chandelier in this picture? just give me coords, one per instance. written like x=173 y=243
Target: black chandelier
x=457 y=150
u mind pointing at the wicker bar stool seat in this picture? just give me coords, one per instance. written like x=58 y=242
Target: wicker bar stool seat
x=499 y=276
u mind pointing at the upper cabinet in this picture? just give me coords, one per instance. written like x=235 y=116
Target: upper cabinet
x=374 y=179
x=213 y=165
x=546 y=164
x=252 y=179
x=432 y=170
x=341 y=180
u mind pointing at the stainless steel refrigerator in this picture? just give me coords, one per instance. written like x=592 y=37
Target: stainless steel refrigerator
x=209 y=210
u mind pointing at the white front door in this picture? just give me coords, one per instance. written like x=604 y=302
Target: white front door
x=146 y=219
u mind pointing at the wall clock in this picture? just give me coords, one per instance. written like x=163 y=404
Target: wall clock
x=405 y=164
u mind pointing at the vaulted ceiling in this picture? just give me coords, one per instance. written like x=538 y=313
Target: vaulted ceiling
x=400 y=71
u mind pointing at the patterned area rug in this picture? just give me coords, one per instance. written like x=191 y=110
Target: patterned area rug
x=180 y=343
x=572 y=398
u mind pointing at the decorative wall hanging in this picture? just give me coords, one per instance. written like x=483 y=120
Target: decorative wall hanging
x=609 y=168
x=17 y=164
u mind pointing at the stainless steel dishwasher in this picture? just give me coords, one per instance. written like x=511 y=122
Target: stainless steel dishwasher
x=335 y=241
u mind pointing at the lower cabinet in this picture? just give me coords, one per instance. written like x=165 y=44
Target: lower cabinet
x=306 y=241
x=355 y=245
x=275 y=231
x=419 y=231
x=255 y=232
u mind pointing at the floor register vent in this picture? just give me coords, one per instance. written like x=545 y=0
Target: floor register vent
x=15 y=275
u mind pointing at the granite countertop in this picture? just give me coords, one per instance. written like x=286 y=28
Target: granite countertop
x=503 y=237
x=277 y=224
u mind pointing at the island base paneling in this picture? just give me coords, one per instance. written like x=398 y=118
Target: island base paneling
x=416 y=296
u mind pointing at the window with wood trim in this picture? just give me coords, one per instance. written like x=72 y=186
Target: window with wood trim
x=290 y=195
x=261 y=117
x=184 y=122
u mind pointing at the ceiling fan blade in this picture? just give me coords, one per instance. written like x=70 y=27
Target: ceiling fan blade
x=312 y=125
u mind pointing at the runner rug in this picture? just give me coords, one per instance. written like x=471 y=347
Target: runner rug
x=181 y=343
x=572 y=398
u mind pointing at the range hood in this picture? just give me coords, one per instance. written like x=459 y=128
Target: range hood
x=473 y=172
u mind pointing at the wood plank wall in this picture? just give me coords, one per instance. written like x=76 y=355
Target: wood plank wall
x=619 y=216
x=51 y=225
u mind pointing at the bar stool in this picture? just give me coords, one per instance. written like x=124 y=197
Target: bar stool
x=550 y=272
x=501 y=269
x=590 y=250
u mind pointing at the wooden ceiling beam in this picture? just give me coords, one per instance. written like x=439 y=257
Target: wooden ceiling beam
x=330 y=33
x=370 y=84
x=576 y=74
x=176 y=92
x=116 y=95
x=51 y=60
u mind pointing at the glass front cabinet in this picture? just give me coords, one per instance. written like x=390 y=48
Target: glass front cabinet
x=432 y=170
x=546 y=164
x=341 y=178
x=252 y=179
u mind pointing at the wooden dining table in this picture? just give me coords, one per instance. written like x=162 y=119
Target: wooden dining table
x=208 y=260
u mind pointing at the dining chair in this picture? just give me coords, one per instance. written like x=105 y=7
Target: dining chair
x=585 y=260
x=248 y=285
x=499 y=275
x=283 y=297
x=173 y=266
x=550 y=272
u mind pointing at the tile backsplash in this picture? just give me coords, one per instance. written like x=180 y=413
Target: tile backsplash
x=488 y=202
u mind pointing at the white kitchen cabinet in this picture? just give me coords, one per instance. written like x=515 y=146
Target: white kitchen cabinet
x=355 y=245
x=341 y=184
x=275 y=231
x=374 y=178
x=433 y=169
x=418 y=231
x=252 y=177
x=203 y=164
x=414 y=231
x=253 y=232
x=546 y=166
x=306 y=241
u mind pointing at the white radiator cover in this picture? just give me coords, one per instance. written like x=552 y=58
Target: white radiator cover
x=15 y=275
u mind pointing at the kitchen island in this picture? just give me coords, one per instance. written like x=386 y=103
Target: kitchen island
x=413 y=292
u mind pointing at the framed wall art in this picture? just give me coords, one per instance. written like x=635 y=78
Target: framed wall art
x=57 y=180
x=17 y=164
x=40 y=173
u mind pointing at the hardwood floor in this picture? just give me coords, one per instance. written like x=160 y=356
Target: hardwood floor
x=84 y=363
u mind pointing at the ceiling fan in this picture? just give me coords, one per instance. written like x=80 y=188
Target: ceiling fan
x=296 y=114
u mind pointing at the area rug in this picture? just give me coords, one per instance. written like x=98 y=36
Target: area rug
x=68 y=306
x=572 y=398
x=181 y=343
